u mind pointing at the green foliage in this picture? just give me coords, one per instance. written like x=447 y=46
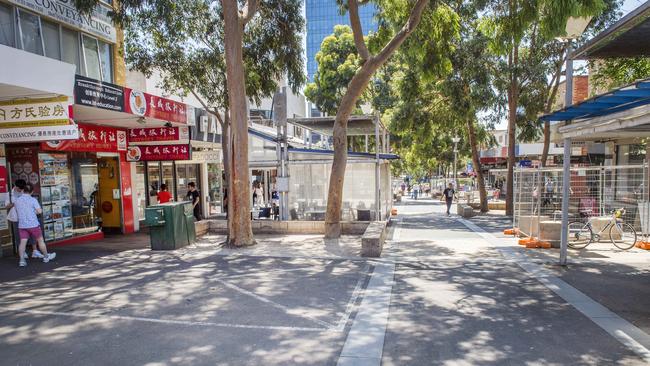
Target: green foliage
x=613 y=73
x=183 y=39
x=338 y=61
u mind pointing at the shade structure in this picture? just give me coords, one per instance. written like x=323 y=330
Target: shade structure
x=617 y=100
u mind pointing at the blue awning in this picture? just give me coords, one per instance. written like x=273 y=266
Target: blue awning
x=618 y=100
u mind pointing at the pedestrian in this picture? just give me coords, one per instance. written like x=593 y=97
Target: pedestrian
x=194 y=196
x=27 y=208
x=164 y=196
x=416 y=188
x=449 y=194
x=12 y=216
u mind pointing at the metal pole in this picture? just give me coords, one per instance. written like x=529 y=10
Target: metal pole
x=455 y=161
x=377 y=185
x=566 y=163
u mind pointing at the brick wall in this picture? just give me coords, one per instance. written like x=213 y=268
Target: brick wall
x=580 y=88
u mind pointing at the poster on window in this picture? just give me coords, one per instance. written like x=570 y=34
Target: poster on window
x=159 y=153
x=159 y=135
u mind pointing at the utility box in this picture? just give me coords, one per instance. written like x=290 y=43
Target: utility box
x=171 y=225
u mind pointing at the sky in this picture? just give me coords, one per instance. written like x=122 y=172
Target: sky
x=627 y=7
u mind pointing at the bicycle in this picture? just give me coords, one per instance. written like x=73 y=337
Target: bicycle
x=621 y=234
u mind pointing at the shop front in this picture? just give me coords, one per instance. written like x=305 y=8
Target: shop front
x=79 y=183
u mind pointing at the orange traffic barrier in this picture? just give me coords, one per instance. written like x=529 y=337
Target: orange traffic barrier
x=512 y=231
x=534 y=243
x=526 y=241
x=645 y=245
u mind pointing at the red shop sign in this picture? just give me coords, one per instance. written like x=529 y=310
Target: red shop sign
x=3 y=179
x=147 y=105
x=158 y=153
x=91 y=138
x=159 y=134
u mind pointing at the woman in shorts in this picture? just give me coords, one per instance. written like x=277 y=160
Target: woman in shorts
x=27 y=208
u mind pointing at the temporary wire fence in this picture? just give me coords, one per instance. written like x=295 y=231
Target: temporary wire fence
x=594 y=192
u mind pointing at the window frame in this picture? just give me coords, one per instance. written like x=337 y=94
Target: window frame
x=99 y=57
x=20 y=30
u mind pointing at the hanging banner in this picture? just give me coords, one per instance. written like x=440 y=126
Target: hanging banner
x=158 y=153
x=98 y=94
x=147 y=105
x=98 y=23
x=91 y=138
x=159 y=134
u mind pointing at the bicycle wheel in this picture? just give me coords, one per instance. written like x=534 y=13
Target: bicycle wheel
x=580 y=235
x=622 y=235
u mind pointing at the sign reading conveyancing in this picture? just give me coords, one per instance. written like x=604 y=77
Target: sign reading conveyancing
x=98 y=23
x=159 y=153
x=91 y=138
x=159 y=134
x=98 y=94
x=147 y=105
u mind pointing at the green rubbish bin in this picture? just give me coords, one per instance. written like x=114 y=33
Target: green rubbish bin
x=170 y=227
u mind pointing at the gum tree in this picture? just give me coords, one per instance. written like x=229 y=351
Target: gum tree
x=222 y=55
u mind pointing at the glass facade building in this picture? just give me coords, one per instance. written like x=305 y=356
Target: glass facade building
x=322 y=16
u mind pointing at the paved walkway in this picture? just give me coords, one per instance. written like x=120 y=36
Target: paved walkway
x=444 y=293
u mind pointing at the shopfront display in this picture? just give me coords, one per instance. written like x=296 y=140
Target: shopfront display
x=55 y=196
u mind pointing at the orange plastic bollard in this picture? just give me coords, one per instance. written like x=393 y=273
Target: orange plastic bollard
x=645 y=245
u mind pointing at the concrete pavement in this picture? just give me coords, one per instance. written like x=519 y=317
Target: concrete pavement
x=440 y=295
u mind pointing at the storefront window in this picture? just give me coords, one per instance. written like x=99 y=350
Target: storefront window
x=30 y=31
x=7 y=35
x=55 y=196
x=84 y=192
x=186 y=173
x=214 y=189
x=168 y=177
x=140 y=188
x=153 y=175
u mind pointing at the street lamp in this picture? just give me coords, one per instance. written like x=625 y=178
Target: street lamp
x=574 y=28
x=455 y=140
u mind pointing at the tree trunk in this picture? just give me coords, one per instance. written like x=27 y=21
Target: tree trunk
x=340 y=136
x=477 y=165
x=513 y=96
x=240 y=232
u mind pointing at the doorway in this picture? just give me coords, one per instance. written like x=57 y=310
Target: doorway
x=108 y=200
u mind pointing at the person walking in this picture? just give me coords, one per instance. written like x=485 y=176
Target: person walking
x=449 y=194
x=164 y=196
x=27 y=209
x=416 y=188
x=194 y=196
x=12 y=216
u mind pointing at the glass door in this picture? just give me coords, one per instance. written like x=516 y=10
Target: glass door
x=168 y=178
x=153 y=177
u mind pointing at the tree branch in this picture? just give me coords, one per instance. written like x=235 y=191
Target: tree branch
x=357 y=31
x=249 y=11
x=407 y=29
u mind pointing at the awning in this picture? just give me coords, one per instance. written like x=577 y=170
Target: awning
x=627 y=97
x=626 y=38
x=357 y=125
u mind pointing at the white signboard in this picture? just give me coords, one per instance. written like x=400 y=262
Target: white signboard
x=34 y=112
x=45 y=133
x=98 y=24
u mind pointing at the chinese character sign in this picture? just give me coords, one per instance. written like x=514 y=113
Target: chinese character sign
x=159 y=134
x=147 y=105
x=91 y=138
x=158 y=153
x=34 y=112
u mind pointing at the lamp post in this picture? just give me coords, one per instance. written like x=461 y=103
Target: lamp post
x=455 y=140
x=574 y=28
